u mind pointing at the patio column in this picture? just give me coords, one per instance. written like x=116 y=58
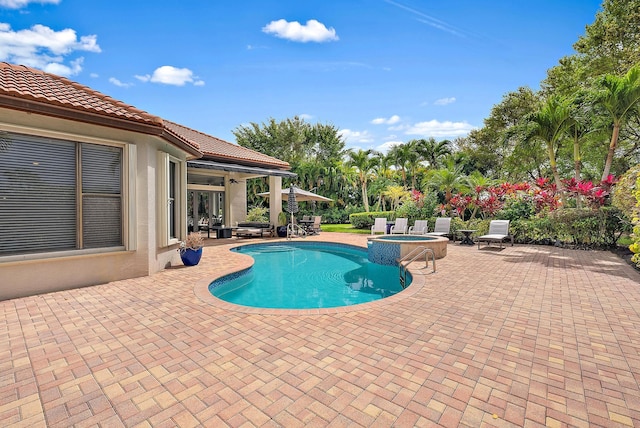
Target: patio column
x=275 y=199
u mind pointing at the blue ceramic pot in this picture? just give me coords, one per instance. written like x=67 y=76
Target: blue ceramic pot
x=191 y=257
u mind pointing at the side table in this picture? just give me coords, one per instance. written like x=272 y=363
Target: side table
x=466 y=238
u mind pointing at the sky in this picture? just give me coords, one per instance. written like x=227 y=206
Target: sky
x=382 y=72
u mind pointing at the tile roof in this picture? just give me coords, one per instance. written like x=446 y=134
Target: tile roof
x=22 y=83
x=215 y=148
x=35 y=85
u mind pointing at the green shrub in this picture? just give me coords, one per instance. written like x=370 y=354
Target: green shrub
x=258 y=214
x=623 y=196
x=635 y=247
x=587 y=228
x=517 y=209
x=537 y=230
x=422 y=210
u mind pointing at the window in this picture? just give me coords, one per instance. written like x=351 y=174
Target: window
x=173 y=205
x=58 y=195
x=101 y=196
x=171 y=210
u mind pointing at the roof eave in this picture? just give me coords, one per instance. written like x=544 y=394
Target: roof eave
x=181 y=143
x=248 y=162
x=46 y=109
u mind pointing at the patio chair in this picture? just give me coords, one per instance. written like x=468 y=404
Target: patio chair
x=442 y=227
x=379 y=226
x=420 y=227
x=315 y=227
x=498 y=232
x=400 y=226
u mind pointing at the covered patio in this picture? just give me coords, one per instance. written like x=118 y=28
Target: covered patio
x=527 y=336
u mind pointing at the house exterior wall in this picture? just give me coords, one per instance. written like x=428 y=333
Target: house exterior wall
x=40 y=273
x=275 y=199
x=237 y=199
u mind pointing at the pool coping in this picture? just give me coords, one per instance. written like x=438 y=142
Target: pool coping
x=201 y=291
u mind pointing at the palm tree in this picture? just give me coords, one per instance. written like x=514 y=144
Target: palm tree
x=620 y=97
x=363 y=164
x=550 y=125
x=478 y=183
x=412 y=160
x=400 y=153
x=396 y=194
x=447 y=179
x=433 y=152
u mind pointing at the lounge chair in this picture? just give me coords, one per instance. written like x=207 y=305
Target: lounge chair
x=400 y=226
x=442 y=227
x=498 y=232
x=379 y=226
x=420 y=227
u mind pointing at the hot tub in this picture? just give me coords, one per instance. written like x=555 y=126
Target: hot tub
x=388 y=249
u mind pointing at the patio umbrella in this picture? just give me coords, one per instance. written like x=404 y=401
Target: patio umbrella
x=292 y=203
x=301 y=195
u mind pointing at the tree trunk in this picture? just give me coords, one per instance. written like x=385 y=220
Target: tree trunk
x=554 y=170
x=612 y=149
x=577 y=166
x=365 y=198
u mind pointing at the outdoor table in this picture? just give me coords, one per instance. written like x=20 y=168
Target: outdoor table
x=222 y=232
x=466 y=238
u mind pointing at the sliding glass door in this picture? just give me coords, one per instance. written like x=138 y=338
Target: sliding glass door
x=205 y=209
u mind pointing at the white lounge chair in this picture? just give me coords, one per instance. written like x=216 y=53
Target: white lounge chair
x=498 y=232
x=420 y=227
x=442 y=227
x=379 y=226
x=400 y=226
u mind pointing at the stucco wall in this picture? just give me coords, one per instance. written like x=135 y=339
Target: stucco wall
x=21 y=278
x=237 y=196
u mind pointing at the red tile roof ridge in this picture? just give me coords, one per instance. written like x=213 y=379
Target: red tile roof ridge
x=228 y=150
x=134 y=112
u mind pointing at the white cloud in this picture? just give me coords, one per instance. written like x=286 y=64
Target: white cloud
x=44 y=48
x=312 y=31
x=384 y=148
x=117 y=82
x=306 y=117
x=18 y=4
x=434 y=128
x=169 y=75
x=390 y=121
x=356 y=136
x=73 y=68
x=445 y=101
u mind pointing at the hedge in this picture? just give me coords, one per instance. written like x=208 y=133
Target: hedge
x=569 y=227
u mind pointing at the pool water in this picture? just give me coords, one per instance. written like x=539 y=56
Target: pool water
x=306 y=276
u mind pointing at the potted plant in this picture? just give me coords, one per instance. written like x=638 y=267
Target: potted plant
x=191 y=249
x=281 y=230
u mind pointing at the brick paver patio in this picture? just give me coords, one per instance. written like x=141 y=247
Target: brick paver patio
x=527 y=336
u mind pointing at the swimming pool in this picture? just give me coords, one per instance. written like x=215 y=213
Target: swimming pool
x=306 y=275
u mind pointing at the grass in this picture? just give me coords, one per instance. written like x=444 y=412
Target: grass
x=345 y=228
